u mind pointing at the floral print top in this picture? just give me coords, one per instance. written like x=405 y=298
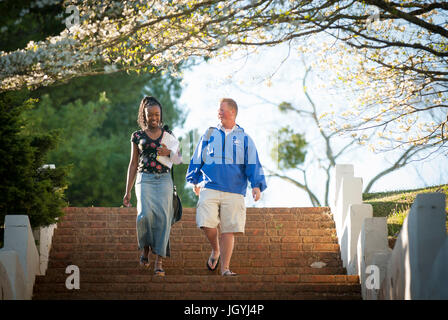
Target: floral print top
x=147 y=153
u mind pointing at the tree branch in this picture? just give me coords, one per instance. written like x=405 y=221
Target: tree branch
x=314 y=200
x=408 y=17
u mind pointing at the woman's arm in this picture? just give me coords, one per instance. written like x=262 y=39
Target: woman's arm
x=132 y=173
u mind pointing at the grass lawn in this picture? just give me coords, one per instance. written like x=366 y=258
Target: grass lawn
x=395 y=205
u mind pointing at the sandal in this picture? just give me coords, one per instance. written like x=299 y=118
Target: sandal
x=144 y=261
x=159 y=272
x=229 y=273
x=212 y=260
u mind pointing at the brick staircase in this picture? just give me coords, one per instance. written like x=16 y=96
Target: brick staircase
x=273 y=259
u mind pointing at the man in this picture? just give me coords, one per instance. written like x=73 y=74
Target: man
x=224 y=161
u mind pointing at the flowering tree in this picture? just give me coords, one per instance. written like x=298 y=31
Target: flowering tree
x=397 y=50
x=319 y=149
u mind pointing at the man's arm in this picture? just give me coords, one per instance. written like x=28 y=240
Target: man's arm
x=253 y=169
x=194 y=174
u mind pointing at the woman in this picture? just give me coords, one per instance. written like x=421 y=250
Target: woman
x=153 y=183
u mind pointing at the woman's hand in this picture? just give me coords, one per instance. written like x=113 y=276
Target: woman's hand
x=127 y=200
x=163 y=150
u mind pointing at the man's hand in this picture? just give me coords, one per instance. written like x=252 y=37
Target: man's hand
x=256 y=194
x=196 y=190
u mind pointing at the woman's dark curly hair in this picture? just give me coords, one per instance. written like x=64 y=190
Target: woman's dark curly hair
x=147 y=102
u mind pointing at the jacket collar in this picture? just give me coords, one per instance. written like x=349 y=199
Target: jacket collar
x=235 y=127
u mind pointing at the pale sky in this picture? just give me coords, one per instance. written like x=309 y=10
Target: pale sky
x=245 y=80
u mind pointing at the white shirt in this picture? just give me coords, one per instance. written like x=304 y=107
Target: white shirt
x=226 y=131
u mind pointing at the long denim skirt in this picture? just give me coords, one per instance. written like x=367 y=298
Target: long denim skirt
x=155 y=212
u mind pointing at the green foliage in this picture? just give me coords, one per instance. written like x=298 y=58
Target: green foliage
x=187 y=145
x=285 y=107
x=291 y=148
x=24 y=23
x=186 y=195
x=26 y=188
x=95 y=117
x=124 y=92
x=76 y=123
x=395 y=205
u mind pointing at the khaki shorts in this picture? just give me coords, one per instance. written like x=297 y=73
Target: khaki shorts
x=218 y=207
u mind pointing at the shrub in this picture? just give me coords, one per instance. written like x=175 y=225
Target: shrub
x=26 y=188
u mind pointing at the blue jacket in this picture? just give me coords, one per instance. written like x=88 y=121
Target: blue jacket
x=226 y=163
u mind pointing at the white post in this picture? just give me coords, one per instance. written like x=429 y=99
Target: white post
x=340 y=171
x=45 y=236
x=417 y=249
x=6 y=291
x=13 y=281
x=437 y=287
x=19 y=237
x=372 y=243
x=350 y=192
x=353 y=226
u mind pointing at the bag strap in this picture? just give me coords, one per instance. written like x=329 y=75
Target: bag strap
x=208 y=134
x=172 y=177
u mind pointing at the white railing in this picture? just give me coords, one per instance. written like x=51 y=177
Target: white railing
x=417 y=267
x=20 y=259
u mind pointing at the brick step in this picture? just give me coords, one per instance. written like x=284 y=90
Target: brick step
x=191 y=217
x=181 y=260
x=195 y=267
x=174 y=270
x=128 y=241
x=277 y=214
x=259 y=291
x=196 y=254
x=80 y=251
x=186 y=211
x=192 y=224
x=189 y=287
x=74 y=295
x=273 y=258
x=201 y=247
x=203 y=271
x=150 y=279
x=176 y=230
x=62 y=252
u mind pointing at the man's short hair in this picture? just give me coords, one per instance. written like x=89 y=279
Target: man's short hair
x=231 y=103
